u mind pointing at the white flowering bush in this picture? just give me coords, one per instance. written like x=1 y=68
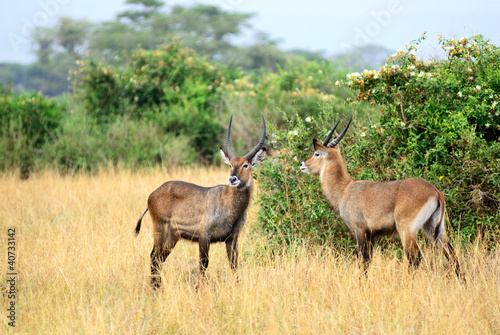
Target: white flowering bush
x=466 y=82
x=440 y=122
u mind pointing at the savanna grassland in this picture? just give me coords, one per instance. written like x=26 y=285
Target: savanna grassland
x=81 y=271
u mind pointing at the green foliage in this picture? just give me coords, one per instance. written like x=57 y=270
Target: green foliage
x=28 y=122
x=440 y=122
x=83 y=145
x=172 y=86
x=300 y=88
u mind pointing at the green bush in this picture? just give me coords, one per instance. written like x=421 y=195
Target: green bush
x=78 y=146
x=298 y=88
x=28 y=122
x=171 y=85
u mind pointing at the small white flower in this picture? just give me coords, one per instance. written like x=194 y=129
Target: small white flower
x=487 y=125
x=478 y=87
x=459 y=94
x=320 y=71
x=494 y=104
x=412 y=73
x=362 y=134
x=308 y=119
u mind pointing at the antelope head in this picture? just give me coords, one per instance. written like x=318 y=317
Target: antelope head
x=325 y=154
x=241 y=168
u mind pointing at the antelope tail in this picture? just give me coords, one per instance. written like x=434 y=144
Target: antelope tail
x=138 y=227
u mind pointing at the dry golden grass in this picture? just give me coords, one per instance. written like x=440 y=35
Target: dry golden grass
x=81 y=271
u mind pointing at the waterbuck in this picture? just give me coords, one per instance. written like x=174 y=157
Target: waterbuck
x=203 y=214
x=373 y=209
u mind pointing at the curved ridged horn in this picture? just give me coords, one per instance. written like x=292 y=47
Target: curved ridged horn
x=327 y=139
x=252 y=153
x=338 y=138
x=228 y=140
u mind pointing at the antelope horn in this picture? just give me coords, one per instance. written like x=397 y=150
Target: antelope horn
x=338 y=138
x=228 y=140
x=252 y=153
x=327 y=139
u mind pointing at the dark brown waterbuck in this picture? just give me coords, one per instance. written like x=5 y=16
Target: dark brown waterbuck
x=372 y=209
x=203 y=214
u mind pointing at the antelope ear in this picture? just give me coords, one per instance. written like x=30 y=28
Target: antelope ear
x=319 y=147
x=225 y=157
x=259 y=157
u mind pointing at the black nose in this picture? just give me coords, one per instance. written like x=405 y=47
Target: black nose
x=232 y=179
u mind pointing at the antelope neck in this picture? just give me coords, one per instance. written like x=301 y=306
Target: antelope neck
x=334 y=182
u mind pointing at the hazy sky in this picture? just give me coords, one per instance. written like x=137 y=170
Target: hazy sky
x=332 y=26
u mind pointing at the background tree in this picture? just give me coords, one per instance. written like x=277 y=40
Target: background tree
x=56 y=48
x=144 y=10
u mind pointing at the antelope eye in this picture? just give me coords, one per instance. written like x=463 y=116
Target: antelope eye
x=316 y=154
x=245 y=166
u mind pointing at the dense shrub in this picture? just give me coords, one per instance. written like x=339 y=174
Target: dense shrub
x=172 y=86
x=298 y=88
x=28 y=122
x=82 y=144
